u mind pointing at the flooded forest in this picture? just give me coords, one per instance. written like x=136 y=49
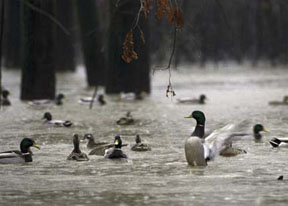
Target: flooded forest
x=143 y=102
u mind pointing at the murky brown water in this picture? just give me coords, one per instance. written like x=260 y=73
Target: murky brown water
x=159 y=177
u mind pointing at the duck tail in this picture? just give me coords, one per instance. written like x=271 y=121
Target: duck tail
x=68 y=124
x=275 y=142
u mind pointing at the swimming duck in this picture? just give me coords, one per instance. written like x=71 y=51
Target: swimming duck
x=59 y=123
x=99 y=100
x=279 y=142
x=199 y=151
x=256 y=131
x=16 y=156
x=5 y=101
x=139 y=146
x=189 y=100
x=91 y=142
x=230 y=151
x=57 y=101
x=127 y=120
x=115 y=152
x=284 y=102
x=76 y=154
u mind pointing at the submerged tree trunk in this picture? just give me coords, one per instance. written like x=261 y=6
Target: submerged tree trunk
x=122 y=76
x=92 y=44
x=38 y=78
x=12 y=35
x=64 y=48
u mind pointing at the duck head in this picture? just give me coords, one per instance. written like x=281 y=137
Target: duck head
x=26 y=143
x=59 y=98
x=89 y=137
x=257 y=129
x=47 y=116
x=138 y=139
x=202 y=98
x=198 y=116
x=118 y=142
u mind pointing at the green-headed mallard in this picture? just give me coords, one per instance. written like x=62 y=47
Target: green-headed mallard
x=199 y=130
x=115 y=152
x=16 y=156
x=188 y=100
x=98 y=100
x=139 y=146
x=127 y=120
x=4 y=100
x=91 y=142
x=58 y=123
x=283 y=102
x=257 y=129
x=76 y=154
x=57 y=101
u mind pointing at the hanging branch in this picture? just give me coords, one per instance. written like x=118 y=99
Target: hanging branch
x=93 y=97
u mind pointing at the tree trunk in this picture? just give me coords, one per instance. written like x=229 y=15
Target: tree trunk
x=64 y=48
x=92 y=44
x=38 y=78
x=12 y=35
x=1 y=41
x=122 y=76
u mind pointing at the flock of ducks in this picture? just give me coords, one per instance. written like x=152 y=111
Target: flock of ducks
x=199 y=147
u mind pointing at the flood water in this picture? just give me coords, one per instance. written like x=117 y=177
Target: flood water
x=161 y=176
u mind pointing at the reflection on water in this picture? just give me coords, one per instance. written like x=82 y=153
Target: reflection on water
x=159 y=177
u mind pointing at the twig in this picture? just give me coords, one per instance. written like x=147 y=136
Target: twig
x=93 y=97
x=136 y=20
x=44 y=13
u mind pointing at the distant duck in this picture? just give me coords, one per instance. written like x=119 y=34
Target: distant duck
x=127 y=120
x=99 y=100
x=91 y=142
x=257 y=129
x=57 y=101
x=284 y=102
x=58 y=123
x=188 y=100
x=101 y=148
x=139 y=146
x=4 y=100
x=76 y=153
x=115 y=152
x=279 y=142
x=16 y=156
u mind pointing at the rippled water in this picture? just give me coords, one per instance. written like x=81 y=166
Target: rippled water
x=159 y=177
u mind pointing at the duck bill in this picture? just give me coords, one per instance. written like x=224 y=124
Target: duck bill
x=190 y=116
x=116 y=142
x=266 y=130
x=36 y=146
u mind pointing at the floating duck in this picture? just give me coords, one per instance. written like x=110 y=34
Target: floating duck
x=188 y=100
x=76 y=154
x=139 y=146
x=91 y=142
x=99 y=100
x=16 y=156
x=57 y=101
x=5 y=101
x=127 y=120
x=101 y=149
x=58 y=123
x=279 y=142
x=115 y=152
x=257 y=129
x=284 y=102
x=230 y=151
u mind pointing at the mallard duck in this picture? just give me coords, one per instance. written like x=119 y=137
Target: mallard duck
x=58 y=123
x=139 y=146
x=127 y=120
x=91 y=142
x=189 y=100
x=16 y=156
x=5 y=101
x=99 y=100
x=229 y=151
x=57 y=101
x=76 y=154
x=256 y=131
x=115 y=152
x=279 y=142
x=284 y=102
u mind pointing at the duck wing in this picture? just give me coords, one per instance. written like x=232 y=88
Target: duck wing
x=13 y=156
